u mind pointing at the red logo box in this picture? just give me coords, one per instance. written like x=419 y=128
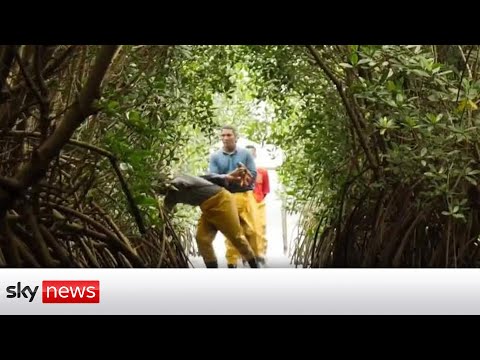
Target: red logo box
x=71 y=291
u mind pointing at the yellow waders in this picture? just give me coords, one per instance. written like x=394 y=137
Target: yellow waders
x=261 y=223
x=247 y=211
x=219 y=213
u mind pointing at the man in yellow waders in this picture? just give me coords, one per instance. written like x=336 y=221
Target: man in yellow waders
x=219 y=212
x=260 y=191
x=225 y=161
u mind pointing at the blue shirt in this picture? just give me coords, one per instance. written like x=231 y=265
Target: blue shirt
x=222 y=162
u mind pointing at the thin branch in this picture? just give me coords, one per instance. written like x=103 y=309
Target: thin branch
x=40 y=244
x=77 y=228
x=6 y=63
x=9 y=247
x=113 y=225
x=112 y=238
x=56 y=62
x=44 y=103
x=17 y=133
x=132 y=204
x=465 y=62
x=461 y=76
x=28 y=78
x=61 y=252
x=350 y=111
x=48 y=71
x=89 y=254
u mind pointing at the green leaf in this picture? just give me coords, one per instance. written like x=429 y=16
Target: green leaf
x=345 y=65
x=459 y=216
x=463 y=104
x=420 y=73
x=472 y=105
x=112 y=105
x=471 y=180
x=390 y=73
x=446 y=213
x=392 y=103
x=424 y=163
x=147 y=201
x=411 y=122
x=363 y=61
x=432 y=118
x=354 y=58
x=423 y=152
x=444 y=73
x=391 y=85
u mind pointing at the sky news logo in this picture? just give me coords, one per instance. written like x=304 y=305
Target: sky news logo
x=58 y=292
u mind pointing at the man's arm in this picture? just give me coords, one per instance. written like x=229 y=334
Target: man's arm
x=250 y=165
x=224 y=179
x=176 y=185
x=169 y=203
x=216 y=179
x=266 y=183
x=212 y=165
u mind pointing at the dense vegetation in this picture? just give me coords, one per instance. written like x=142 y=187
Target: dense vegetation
x=381 y=148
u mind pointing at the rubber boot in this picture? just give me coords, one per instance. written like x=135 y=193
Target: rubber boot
x=211 y=264
x=253 y=263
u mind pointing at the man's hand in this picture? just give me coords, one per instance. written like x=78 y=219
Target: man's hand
x=233 y=179
x=246 y=180
x=235 y=176
x=246 y=175
x=239 y=171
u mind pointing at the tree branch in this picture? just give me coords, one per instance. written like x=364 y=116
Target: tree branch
x=465 y=61
x=28 y=78
x=81 y=144
x=44 y=103
x=131 y=202
x=61 y=252
x=56 y=62
x=135 y=211
x=111 y=237
x=6 y=63
x=40 y=244
x=346 y=103
x=114 y=226
x=36 y=168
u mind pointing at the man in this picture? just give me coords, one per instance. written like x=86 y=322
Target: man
x=219 y=212
x=224 y=161
x=260 y=191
